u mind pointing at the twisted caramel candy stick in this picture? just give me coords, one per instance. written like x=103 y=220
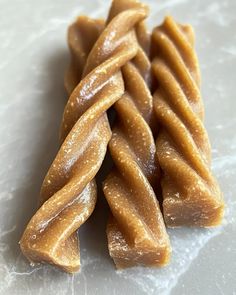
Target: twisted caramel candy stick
x=191 y=194
x=136 y=231
x=80 y=48
x=69 y=189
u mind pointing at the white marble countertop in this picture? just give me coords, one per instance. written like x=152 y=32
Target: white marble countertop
x=33 y=58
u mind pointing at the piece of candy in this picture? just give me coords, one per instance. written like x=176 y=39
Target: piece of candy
x=191 y=195
x=136 y=231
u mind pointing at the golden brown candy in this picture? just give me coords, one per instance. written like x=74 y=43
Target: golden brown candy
x=42 y=249
x=136 y=231
x=68 y=193
x=191 y=195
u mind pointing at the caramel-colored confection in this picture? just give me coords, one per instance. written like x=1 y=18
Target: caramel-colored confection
x=136 y=231
x=39 y=248
x=68 y=193
x=191 y=195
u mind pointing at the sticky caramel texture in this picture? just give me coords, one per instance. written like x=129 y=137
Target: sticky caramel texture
x=136 y=231
x=191 y=195
x=51 y=234
x=68 y=194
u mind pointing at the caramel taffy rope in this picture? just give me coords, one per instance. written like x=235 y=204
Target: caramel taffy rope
x=80 y=48
x=191 y=195
x=136 y=231
x=68 y=192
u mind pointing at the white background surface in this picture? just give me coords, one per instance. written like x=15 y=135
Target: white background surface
x=33 y=58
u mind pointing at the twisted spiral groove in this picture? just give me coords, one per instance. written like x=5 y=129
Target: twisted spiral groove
x=135 y=230
x=68 y=193
x=191 y=195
